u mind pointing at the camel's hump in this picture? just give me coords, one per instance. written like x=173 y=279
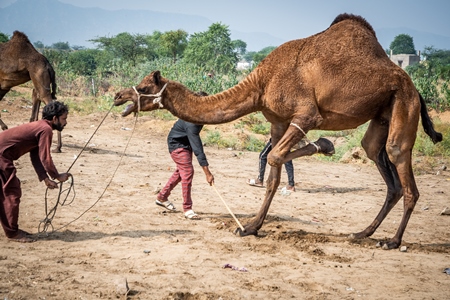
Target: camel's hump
x=20 y=36
x=359 y=19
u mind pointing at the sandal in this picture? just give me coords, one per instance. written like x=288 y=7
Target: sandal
x=254 y=182
x=166 y=204
x=22 y=237
x=190 y=214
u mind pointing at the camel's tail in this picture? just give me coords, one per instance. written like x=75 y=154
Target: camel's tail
x=52 y=76
x=51 y=73
x=427 y=123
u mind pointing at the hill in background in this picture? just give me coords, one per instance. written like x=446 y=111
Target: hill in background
x=51 y=21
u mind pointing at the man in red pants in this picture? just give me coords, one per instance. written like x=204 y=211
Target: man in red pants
x=35 y=138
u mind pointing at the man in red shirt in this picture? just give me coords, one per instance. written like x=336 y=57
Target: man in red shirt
x=35 y=138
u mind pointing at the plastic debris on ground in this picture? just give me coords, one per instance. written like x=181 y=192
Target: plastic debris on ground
x=235 y=268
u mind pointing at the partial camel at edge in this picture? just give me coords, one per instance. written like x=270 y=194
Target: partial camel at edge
x=337 y=79
x=20 y=62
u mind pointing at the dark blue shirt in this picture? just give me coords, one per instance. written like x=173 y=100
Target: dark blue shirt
x=187 y=135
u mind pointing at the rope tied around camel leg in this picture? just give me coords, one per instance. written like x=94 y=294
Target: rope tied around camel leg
x=305 y=138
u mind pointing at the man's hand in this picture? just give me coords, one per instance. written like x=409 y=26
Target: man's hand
x=209 y=176
x=63 y=177
x=50 y=183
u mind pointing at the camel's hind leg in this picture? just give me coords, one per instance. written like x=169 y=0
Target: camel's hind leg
x=394 y=164
x=35 y=107
x=35 y=116
x=374 y=143
x=3 y=126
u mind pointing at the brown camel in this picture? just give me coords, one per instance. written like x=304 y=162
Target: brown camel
x=337 y=79
x=20 y=63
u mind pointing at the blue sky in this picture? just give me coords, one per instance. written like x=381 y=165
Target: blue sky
x=292 y=19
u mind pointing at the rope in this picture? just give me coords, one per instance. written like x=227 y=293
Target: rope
x=156 y=100
x=305 y=138
x=229 y=210
x=49 y=215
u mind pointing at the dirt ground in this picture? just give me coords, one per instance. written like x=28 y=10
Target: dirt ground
x=112 y=232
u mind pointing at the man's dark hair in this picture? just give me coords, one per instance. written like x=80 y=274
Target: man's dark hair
x=54 y=109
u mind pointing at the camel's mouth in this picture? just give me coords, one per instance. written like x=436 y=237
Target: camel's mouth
x=128 y=110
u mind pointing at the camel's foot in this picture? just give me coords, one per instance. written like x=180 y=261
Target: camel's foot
x=358 y=235
x=56 y=150
x=4 y=127
x=392 y=244
x=246 y=232
x=326 y=147
x=385 y=245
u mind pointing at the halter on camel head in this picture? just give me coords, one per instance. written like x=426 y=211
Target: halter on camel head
x=157 y=100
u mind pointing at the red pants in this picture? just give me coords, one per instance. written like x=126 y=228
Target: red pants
x=9 y=197
x=184 y=173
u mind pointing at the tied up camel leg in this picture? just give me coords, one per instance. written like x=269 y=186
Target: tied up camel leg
x=276 y=160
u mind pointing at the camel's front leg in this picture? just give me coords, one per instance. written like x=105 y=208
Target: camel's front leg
x=282 y=153
x=272 y=184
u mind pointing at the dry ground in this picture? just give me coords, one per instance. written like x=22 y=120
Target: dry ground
x=113 y=232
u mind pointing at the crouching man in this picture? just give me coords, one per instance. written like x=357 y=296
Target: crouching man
x=35 y=138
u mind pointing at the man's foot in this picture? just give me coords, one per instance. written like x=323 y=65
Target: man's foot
x=290 y=188
x=190 y=214
x=255 y=182
x=166 y=204
x=22 y=237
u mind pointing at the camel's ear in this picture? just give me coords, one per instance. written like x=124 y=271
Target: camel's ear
x=157 y=77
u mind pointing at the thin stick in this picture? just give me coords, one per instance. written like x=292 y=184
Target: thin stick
x=229 y=210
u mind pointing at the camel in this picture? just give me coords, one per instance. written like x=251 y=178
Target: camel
x=20 y=62
x=337 y=79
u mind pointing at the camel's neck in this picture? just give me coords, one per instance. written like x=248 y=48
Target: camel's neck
x=238 y=101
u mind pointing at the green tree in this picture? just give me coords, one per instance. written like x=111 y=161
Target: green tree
x=248 y=56
x=212 y=49
x=56 y=58
x=77 y=47
x=124 y=46
x=432 y=76
x=84 y=62
x=61 y=46
x=174 y=42
x=3 y=37
x=39 y=45
x=240 y=47
x=152 y=45
x=402 y=44
x=259 y=56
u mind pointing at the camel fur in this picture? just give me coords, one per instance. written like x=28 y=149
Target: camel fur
x=20 y=62
x=335 y=80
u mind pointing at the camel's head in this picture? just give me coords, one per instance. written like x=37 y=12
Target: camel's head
x=148 y=93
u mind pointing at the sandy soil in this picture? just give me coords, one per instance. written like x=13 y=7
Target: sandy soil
x=112 y=232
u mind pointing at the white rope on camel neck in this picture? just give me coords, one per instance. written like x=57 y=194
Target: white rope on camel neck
x=306 y=139
x=156 y=100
